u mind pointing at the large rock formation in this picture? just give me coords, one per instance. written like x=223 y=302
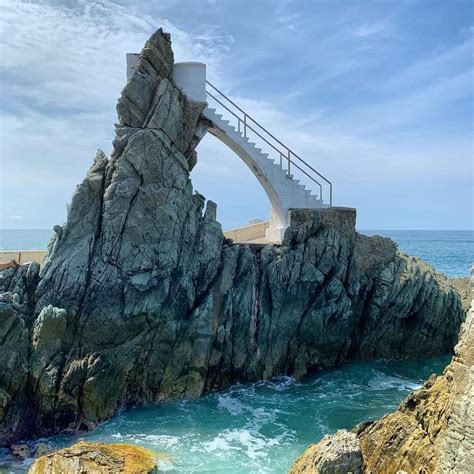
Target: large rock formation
x=141 y=298
x=432 y=430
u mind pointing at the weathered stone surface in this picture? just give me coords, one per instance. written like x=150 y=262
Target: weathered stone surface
x=432 y=430
x=142 y=299
x=97 y=458
x=337 y=454
x=17 y=287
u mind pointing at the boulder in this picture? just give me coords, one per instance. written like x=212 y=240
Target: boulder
x=97 y=458
x=337 y=454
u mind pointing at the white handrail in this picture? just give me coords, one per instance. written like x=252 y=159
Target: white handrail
x=283 y=151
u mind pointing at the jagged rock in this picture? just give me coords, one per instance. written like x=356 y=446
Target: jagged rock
x=142 y=299
x=97 y=459
x=432 y=430
x=337 y=454
x=464 y=287
x=28 y=450
x=21 y=450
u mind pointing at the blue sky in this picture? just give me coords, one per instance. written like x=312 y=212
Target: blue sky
x=377 y=95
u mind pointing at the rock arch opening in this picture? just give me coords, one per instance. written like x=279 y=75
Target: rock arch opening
x=241 y=201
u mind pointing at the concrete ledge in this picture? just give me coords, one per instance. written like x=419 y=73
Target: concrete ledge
x=254 y=233
x=22 y=256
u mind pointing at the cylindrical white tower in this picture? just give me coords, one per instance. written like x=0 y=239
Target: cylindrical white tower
x=191 y=79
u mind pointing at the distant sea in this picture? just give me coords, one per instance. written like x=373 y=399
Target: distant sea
x=449 y=251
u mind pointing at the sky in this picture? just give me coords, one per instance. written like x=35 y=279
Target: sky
x=376 y=95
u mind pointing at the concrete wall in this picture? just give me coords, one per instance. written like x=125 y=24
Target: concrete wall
x=22 y=256
x=191 y=79
x=254 y=232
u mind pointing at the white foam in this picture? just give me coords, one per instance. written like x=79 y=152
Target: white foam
x=231 y=404
x=387 y=382
x=248 y=442
x=165 y=466
x=161 y=440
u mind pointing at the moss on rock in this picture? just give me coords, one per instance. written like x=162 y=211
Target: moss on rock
x=97 y=458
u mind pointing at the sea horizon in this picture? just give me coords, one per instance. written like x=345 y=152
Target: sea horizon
x=449 y=251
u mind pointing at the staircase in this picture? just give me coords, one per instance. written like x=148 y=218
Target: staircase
x=275 y=173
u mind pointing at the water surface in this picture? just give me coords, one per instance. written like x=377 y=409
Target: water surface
x=263 y=427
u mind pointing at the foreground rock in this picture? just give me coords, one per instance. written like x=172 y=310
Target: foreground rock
x=97 y=459
x=338 y=454
x=432 y=430
x=141 y=298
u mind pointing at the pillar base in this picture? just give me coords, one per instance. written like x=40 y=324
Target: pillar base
x=275 y=235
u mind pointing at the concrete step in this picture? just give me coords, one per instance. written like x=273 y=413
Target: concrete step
x=259 y=156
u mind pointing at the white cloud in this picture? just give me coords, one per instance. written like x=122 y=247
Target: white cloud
x=67 y=57
x=443 y=63
x=372 y=29
x=63 y=69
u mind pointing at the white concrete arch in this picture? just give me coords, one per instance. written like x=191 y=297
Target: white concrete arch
x=284 y=193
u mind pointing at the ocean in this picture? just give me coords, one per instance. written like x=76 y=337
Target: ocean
x=449 y=251
x=263 y=427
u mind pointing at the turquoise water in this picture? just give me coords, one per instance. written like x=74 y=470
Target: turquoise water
x=263 y=427
x=449 y=251
x=24 y=239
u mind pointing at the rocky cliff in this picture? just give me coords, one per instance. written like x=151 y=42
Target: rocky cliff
x=141 y=298
x=432 y=430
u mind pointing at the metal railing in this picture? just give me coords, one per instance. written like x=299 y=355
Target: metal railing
x=245 y=123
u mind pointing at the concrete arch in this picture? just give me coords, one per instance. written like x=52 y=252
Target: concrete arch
x=284 y=193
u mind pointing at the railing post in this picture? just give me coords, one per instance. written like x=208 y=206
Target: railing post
x=238 y=124
x=281 y=160
x=245 y=125
x=289 y=161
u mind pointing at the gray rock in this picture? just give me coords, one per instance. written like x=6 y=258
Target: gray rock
x=141 y=298
x=336 y=454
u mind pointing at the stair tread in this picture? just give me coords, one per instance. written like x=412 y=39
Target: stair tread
x=252 y=148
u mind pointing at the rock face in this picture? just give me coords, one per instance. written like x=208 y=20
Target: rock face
x=432 y=430
x=337 y=454
x=97 y=459
x=141 y=298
